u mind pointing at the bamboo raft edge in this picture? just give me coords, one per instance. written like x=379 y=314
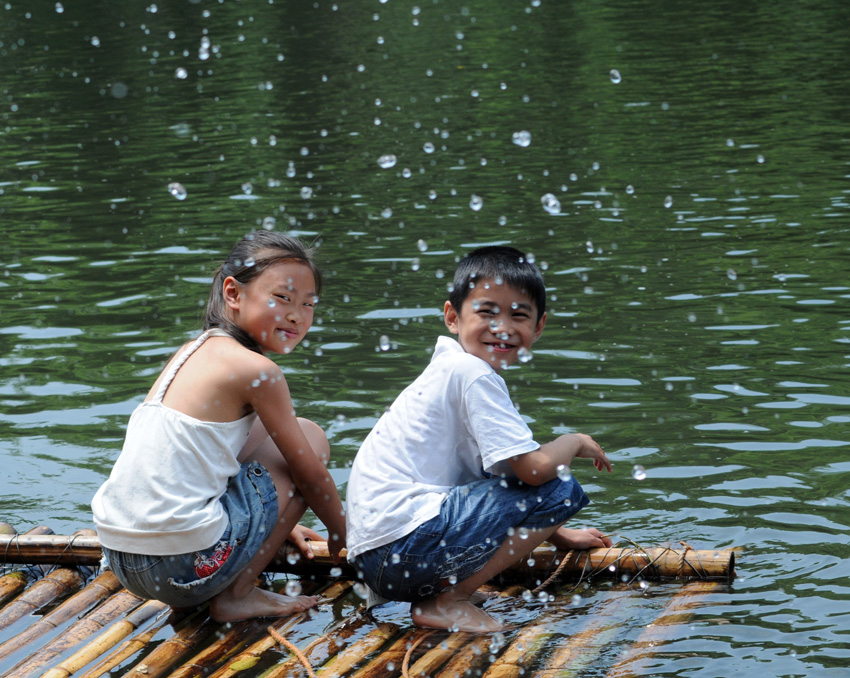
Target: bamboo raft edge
x=651 y=563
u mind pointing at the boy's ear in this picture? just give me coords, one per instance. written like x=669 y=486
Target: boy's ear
x=539 y=329
x=230 y=292
x=450 y=316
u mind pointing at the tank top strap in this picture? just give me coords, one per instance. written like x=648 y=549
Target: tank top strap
x=183 y=357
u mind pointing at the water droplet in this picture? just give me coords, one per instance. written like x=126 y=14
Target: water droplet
x=543 y=597
x=564 y=472
x=361 y=590
x=415 y=264
x=118 y=90
x=306 y=192
x=527 y=596
x=293 y=587
x=760 y=159
x=476 y=202
x=522 y=533
x=95 y=41
x=452 y=579
x=421 y=245
x=576 y=599
x=522 y=138
x=387 y=212
x=386 y=161
x=615 y=76
x=428 y=147
x=59 y=8
x=630 y=190
x=550 y=203
x=336 y=572
x=181 y=73
x=384 y=345
x=524 y=354
x=731 y=274
x=668 y=201
x=730 y=142
x=177 y=190
x=293 y=558
x=639 y=472
x=268 y=223
x=395 y=559
x=247 y=188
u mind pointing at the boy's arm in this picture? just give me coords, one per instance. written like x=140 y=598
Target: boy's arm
x=541 y=465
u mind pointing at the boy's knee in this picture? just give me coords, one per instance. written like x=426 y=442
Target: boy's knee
x=317 y=438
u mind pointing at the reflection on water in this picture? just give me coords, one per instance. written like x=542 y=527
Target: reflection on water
x=689 y=212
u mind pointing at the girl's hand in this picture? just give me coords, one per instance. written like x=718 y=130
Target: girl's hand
x=301 y=536
x=336 y=543
x=590 y=449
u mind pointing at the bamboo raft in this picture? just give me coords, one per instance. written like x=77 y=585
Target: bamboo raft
x=60 y=616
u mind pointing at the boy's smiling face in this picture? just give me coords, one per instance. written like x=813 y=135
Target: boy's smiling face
x=495 y=322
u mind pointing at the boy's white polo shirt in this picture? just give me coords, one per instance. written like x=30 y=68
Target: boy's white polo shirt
x=455 y=421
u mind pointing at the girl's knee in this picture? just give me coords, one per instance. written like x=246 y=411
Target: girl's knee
x=317 y=439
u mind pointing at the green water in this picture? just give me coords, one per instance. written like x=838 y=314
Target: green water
x=699 y=322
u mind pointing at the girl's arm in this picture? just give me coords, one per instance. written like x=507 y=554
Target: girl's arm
x=541 y=465
x=268 y=393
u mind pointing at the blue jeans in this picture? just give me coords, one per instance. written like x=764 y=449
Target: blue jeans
x=474 y=520
x=188 y=579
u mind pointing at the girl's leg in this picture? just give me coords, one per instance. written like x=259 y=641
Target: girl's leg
x=242 y=599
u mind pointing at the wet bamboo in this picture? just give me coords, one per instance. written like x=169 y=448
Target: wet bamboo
x=249 y=657
x=321 y=648
x=438 y=654
x=47 y=589
x=342 y=662
x=677 y=612
x=135 y=644
x=584 y=645
x=105 y=641
x=465 y=661
x=52 y=549
x=522 y=650
x=102 y=586
x=11 y=585
x=170 y=652
x=112 y=608
x=388 y=662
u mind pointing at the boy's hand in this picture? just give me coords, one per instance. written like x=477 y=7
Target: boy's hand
x=565 y=539
x=301 y=536
x=590 y=449
x=336 y=542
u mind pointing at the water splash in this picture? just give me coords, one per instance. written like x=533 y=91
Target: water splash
x=177 y=190
x=522 y=138
x=550 y=203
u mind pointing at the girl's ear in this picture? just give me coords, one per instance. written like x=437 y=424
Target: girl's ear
x=450 y=317
x=539 y=329
x=230 y=292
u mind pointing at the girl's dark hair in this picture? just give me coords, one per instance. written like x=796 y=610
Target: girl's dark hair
x=498 y=263
x=248 y=259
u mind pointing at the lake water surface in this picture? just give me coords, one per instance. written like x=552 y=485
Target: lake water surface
x=695 y=248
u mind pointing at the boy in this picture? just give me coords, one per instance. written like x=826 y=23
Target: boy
x=450 y=488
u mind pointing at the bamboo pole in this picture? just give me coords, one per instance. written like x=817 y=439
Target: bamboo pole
x=318 y=650
x=342 y=662
x=171 y=651
x=466 y=660
x=657 y=562
x=136 y=644
x=651 y=641
x=11 y=585
x=248 y=658
x=106 y=640
x=55 y=584
x=102 y=586
x=388 y=663
x=438 y=654
x=109 y=610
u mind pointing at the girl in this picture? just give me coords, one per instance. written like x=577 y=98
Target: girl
x=216 y=469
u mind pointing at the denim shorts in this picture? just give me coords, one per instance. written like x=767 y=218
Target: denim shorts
x=189 y=579
x=474 y=520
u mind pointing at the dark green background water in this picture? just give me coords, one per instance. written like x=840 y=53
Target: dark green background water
x=699 y=321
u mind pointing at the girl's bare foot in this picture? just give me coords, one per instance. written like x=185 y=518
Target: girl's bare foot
x=227 y=607
x=450 y=611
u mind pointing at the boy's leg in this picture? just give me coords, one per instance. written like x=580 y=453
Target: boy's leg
x=242 y=599
x=453 y=609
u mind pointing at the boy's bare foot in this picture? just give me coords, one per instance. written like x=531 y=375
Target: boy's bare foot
x=226 y=607
x=450 y=611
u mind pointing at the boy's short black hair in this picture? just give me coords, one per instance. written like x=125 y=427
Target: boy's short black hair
x=503 y=265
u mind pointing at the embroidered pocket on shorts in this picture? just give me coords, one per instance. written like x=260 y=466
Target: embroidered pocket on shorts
x=206 y=564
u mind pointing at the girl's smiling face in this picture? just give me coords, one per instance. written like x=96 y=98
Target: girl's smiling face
x=495 y=322
x=275 y=308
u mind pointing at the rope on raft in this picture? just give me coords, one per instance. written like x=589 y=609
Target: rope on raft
x=289 y=646
x=15 y=541
x=405 y=664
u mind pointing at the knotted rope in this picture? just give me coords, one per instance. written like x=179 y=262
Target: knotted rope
x=289 y=646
